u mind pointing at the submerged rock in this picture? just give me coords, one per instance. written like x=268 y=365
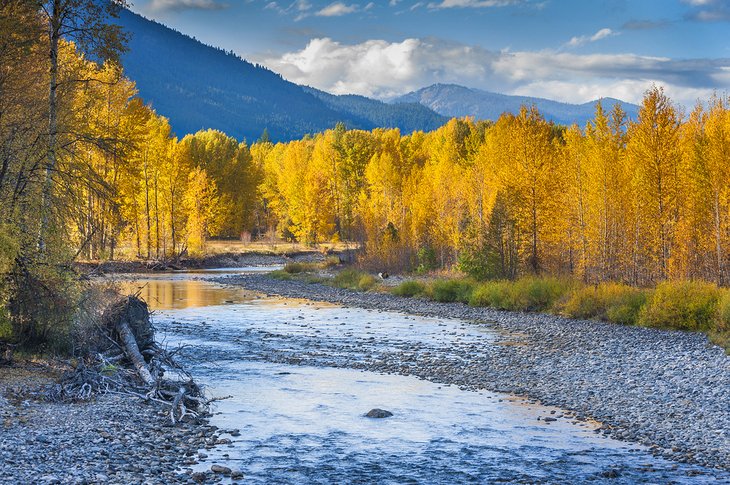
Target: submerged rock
x=378 y=413
x=220 y=469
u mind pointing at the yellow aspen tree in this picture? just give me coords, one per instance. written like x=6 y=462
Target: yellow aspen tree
x=655 y=155
x=706 y=141
x=608 y=185
x=532 y=177
x=203 y=210
x=576 y=159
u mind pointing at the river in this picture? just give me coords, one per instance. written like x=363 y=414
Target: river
x=301 y=378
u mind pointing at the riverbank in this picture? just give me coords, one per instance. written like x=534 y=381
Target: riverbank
x=667 y=390
x=211 y=261
x=114 y=438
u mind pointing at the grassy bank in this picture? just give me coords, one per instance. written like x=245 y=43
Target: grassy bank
x=678 y=305
x=348 y=278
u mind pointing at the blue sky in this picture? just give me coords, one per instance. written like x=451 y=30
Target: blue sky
x=569 y=50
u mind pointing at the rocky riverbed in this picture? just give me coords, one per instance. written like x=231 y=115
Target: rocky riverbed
x=113 y=439
x=667 y=390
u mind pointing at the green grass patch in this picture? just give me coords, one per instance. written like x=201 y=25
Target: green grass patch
x=354 y=279
x=331 y=262
x=613 y=302
x=682 y=305
x=280 y=274
x=493 y=294
x=535 y=294
x=720 y=335
x=409 y=289
x=451 y=290
x=297 y=268
x=313 y=279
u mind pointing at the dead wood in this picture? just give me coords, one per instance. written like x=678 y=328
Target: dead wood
x=128 y=360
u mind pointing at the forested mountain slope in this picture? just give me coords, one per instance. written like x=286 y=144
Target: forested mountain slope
x=197 y=86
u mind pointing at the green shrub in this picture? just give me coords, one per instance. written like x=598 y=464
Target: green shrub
x=494 y=294
x=451 y=290
x=313 y=279
x=723 y=314
x=614 y=302
x=331 y=262
x=296 y=268
x=536 y=294
x=409 y=289
x=6 y=328
x=426 y=260
x=366 y=282
x=281 y=274
x=683 y=305
x=626 y=308
x=354 y=279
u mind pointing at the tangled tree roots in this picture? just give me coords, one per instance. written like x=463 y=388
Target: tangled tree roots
x=128 y=360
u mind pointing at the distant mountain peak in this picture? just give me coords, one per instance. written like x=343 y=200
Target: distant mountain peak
x=198 y=86
x=453 y=100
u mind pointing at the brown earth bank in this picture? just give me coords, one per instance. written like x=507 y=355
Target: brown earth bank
x=213 y=261
x=113 y=438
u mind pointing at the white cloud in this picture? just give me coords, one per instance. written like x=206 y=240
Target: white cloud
x=473 y=3
x=178 y=5
x=708 y=10
x=584 y=39
x=382 y=69
x=300 y=7
x=378 y=68
x=337 y=9
x=698 y=3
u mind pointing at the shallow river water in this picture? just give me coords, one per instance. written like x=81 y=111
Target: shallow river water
x=303 y=422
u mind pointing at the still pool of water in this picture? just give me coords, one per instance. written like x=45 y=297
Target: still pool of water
x=306 y=423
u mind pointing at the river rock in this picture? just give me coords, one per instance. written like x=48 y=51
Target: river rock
x=220 y=469
x=378 y=413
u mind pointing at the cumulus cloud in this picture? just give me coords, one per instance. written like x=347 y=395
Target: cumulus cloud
x=179 y=5
x=379 y=68
x=337 y=9
x=382 y=69
x=584 y=39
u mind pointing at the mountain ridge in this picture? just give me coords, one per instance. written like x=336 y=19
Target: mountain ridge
x=454 y=100
x=197 y=86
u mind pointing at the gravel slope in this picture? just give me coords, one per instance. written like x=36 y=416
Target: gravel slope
x=667 y=390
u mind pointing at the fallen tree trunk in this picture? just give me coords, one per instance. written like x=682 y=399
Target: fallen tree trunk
x=131 y=349
x=126 y=335
x=130 y=320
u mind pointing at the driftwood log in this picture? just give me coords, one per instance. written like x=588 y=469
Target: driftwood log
x=128 y=360
x=130 y=320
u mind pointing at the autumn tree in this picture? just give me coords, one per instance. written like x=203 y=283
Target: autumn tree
x=85 y=22
x=654 y=155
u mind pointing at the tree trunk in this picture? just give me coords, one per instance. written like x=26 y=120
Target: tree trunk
x=132 y=350
x=52 y=125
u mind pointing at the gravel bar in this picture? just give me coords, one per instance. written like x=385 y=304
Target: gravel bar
x=668 y=390
x=113 y=439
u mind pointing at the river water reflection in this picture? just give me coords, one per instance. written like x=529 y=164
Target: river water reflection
x=306 y=424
